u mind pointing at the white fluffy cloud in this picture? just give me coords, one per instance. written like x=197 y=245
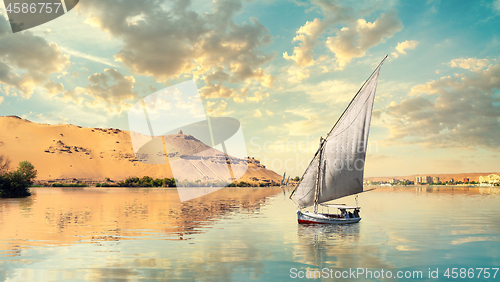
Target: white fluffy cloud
x=469 y=63
x=109 y=89
x=307 y=35
x=166 y=43
x=403 y=46
x=26 y=60
x=354 y=40
x=257 y=113
x=53 y=88
x=461 y=111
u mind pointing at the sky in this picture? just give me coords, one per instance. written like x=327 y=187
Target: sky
x=285 y=69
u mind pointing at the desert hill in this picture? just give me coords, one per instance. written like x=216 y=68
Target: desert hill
x=68 y=152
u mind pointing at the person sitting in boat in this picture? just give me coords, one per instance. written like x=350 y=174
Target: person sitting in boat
x=350 y=215
x=356 y=213
x=343 y=213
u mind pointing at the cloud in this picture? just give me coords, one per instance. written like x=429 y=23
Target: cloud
x=238 y=99
x=309 y=124
x=303 y=127
x=258 y=96
x=257 y=113
x=26 y=60
x=103 y=93
x=167 y=43
x=269 y=113
x=217 y=108
x=53 y=88
x=469 y=64
x=216 y=91
x=351 y=41
x=1 y=99
x=496 y=5
x=89 y=57
x=328 y=91
x=354 y=40
x=452 y=112
x=307 y=35
x=405 y=45
x=267 y=80
x=47 y=119
x=297 y=74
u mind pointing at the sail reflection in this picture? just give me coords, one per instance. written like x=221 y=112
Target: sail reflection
x=336 y=246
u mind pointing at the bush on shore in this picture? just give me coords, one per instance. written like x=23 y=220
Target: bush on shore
x=16 y=184
x=246 y=184
x=147 y=181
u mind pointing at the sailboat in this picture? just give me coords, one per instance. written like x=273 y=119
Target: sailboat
x=337 y=168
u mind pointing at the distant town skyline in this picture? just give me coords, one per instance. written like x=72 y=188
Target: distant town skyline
x=285 y=69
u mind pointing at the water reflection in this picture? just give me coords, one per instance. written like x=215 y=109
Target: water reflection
x=239 y=234
x=320 y=243
x=441 y=189
x=336 y=246
x=65 y=215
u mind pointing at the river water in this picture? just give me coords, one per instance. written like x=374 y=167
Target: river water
x=241 y=234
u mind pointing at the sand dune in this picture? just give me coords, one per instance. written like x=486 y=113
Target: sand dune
x=93 y=154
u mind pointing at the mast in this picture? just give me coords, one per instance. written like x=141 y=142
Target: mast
x=316 y=187
x=316 y=193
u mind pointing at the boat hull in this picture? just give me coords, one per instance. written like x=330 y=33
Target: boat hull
x=315 y=218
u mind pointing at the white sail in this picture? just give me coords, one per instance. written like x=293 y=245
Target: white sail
x=342 y=154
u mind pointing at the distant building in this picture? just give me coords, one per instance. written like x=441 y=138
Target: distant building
x=492 y=179
x=435 y=179
x=423 y=179
x=466 y=179
x=484 y=179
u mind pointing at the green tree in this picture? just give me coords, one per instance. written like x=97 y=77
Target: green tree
x=158 y=182
x=168 y=182
x=16 y=184
x=296 y=178
x=146 y=181
x=27 y=172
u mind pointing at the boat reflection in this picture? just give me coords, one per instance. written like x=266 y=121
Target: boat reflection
x=336 y=246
